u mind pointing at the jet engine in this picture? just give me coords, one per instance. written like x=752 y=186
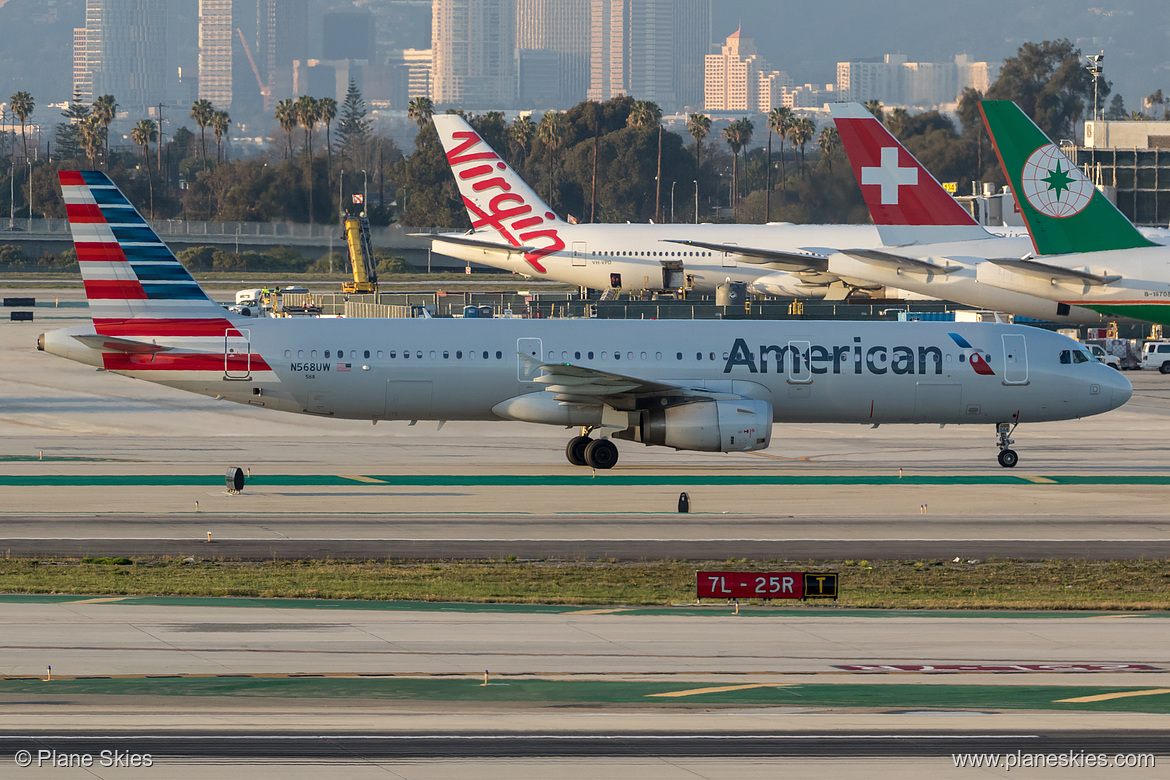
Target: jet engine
x=706 y=426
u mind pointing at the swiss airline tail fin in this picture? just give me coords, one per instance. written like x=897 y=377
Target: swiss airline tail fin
x=1064 y=212
x=906 y=203
x=134 y=284
x=500 y=203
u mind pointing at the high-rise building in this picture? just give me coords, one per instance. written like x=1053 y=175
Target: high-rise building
x=738 y=79
x=560 y=26
x=247 y=49
x=419 y=63
x=126 y=53
x=649 y=49
x=896 y=82
x=474 y=62
x=349 y=35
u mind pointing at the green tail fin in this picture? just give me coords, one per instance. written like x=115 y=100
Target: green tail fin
x=1064 y=212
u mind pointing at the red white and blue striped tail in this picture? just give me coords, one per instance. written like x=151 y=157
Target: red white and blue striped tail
x=135 y=284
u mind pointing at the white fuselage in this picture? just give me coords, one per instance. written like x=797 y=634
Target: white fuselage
x=810 y=371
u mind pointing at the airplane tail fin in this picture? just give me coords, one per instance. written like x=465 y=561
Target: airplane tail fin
x=498 y=201
x=1062 y=209
x=906 y=203
x=134 y=283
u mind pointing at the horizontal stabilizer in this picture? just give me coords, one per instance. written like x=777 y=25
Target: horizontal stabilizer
x=787 y=261
x=911 y=265
x=116 y=344
x=1054 y=273
x=479 y=243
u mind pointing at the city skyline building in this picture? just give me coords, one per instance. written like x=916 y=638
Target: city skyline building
x=650 y=49
x=739 y=79
x=473 y=43
x=247 y=49
x=127 y=49
x=895 y=81
x=560 y=26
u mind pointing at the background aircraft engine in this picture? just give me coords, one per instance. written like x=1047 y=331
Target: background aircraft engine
x=710 y=426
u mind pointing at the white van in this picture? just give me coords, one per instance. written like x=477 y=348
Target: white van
x=1098 y=352
x=1156 y=354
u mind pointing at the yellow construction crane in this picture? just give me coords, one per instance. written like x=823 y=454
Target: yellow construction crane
x=361 y=256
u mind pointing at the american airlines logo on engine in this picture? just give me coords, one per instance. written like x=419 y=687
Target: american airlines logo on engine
x=507 y=212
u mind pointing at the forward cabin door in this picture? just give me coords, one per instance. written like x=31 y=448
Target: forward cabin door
x=729 y=258
x=1015 y=359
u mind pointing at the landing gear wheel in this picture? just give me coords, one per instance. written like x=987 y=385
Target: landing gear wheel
x=601 y=454
x=575 y=449
x=1008 y=458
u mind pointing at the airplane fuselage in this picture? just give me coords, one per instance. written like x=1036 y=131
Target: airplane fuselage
x=810 y=371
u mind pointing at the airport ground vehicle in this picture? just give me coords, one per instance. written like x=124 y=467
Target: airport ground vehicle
x=702 y=385
x=361 y=255
x=1156 y=354
x=1099 y=353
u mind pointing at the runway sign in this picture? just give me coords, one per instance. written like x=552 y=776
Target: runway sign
x=765 y=585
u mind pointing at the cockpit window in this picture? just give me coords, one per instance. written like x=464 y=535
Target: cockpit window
x=1068 y=356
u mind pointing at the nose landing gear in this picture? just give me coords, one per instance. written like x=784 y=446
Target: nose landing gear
x=1007 y=456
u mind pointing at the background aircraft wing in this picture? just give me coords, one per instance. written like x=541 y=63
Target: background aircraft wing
x=1040 y=270
x=902 y=263
x=780 y=260
x=479 y=243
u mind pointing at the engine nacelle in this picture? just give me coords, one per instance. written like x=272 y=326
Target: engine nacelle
x=708 y=426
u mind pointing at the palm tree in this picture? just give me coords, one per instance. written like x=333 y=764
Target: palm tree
x=698 y=125
x=22 y=105
x=220 y=124
x=779 y=119
x=105 y=108
x=874 y=107
x=202 y=111
x=734 y=139
x=327 y=112
x=830 y=142
x=553 y=131
x=520 y=135
x=645 y=114
x=306 y=111
x=90 y=135
x=143 y=135
x=801 y=132
x=420 y=110
x=286 y=117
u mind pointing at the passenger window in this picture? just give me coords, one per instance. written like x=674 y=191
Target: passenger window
x=577 y=355
x=458 y=354
x=288 y=353
x=313 y=354
x=499 y=355
x=379 y=354
x=432 y=354
x=564 y=355
x=485 y=355
x=405 y=355
x=366 y=353
x=712 y=355
x=393 y=354
x=604 y=355
x=616 y=355
x=446 y=355
x=698 y=356
x=418 y=354
x=327 y=353
x=353 y=353
x=300 y=353
x=590 y=355
x=679 y=356
x=630 y=355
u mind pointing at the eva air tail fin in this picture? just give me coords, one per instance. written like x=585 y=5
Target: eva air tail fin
x=1064 y=212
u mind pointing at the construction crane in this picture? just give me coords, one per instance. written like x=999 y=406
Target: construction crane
x=265 y=90
x=361 y=255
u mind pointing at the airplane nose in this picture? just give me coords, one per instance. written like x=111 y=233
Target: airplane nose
x=1120 y=389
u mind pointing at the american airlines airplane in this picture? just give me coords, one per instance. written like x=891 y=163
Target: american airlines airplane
x=934 y=248
x=710 y=386
x=513 y=229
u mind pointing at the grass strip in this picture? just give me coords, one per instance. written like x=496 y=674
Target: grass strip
x=975 y=585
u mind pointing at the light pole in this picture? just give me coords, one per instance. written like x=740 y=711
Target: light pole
x=696 y=201
x=1094 y=67
x=672 y=201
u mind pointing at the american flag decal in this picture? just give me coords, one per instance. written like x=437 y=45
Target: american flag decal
x=343 y=367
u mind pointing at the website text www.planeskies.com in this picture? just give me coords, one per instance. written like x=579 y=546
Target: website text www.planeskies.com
x=1070 y=759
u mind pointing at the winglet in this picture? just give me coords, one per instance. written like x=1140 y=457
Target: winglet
x=906 y=203
x=1064 y=212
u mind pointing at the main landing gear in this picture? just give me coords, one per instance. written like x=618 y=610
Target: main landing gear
x=1007 y=456
x=595 y=453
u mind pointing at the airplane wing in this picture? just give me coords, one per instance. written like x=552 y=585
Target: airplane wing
x=479 y=243
x=901 y=263
x=786 y=261
x=118 y=344
x=1054 y=273
x=572 y=384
